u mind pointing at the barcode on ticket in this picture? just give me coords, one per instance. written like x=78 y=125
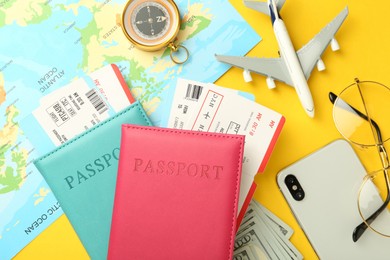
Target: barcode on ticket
x=193 y=92
x=96 y=101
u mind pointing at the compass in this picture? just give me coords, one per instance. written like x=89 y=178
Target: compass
x=152 y=25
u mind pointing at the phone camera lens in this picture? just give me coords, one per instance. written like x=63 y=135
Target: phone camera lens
x=290 y=179
x=294 y=187
x=299 y=195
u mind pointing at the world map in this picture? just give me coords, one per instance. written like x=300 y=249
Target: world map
x=46 y=44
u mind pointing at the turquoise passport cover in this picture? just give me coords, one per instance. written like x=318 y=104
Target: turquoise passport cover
x=82 y=175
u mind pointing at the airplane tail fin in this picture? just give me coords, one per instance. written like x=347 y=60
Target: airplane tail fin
x=263 y=7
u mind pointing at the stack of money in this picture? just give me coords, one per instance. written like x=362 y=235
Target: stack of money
x=262 y=235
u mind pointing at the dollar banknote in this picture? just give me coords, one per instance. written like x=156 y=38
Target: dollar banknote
x=262 y=235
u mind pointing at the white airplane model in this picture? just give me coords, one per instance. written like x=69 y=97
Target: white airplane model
x=292 y=68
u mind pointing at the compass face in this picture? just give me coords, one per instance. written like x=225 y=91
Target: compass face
x=151 y=20
x=151 y=24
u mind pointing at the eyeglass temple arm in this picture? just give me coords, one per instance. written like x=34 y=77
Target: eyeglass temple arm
x=359 y=230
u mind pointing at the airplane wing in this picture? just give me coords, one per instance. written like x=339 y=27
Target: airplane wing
x=263 y=6
x=310 y=53
x=269 y=67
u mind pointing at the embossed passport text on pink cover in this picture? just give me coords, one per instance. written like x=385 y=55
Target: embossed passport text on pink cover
x=176 y=194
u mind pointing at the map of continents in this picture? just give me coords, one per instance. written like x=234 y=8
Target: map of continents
x=45 y=44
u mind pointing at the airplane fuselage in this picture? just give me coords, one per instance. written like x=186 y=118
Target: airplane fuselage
x=293 y=65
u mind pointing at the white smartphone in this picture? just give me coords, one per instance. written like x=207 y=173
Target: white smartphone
x=321 y=190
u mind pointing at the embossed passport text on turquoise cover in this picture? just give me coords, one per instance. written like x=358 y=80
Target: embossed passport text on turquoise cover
x=82 y=175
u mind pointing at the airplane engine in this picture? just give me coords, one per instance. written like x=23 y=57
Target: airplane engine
x=270 y=83
x=247 y=76
x=334 y=45
x=320 y=65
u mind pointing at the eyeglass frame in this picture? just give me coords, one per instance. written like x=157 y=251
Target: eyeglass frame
x=362 y=227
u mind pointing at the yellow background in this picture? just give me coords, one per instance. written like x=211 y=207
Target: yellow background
x=364 y=39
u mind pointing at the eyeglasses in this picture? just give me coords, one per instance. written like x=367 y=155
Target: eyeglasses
x=362 y=115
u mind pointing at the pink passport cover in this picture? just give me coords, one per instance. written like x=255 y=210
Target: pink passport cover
x=176 y=194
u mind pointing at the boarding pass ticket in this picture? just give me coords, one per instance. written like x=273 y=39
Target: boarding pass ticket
x=186 y=101
x=76 y=107
x=216 y=109
x=181 y=111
